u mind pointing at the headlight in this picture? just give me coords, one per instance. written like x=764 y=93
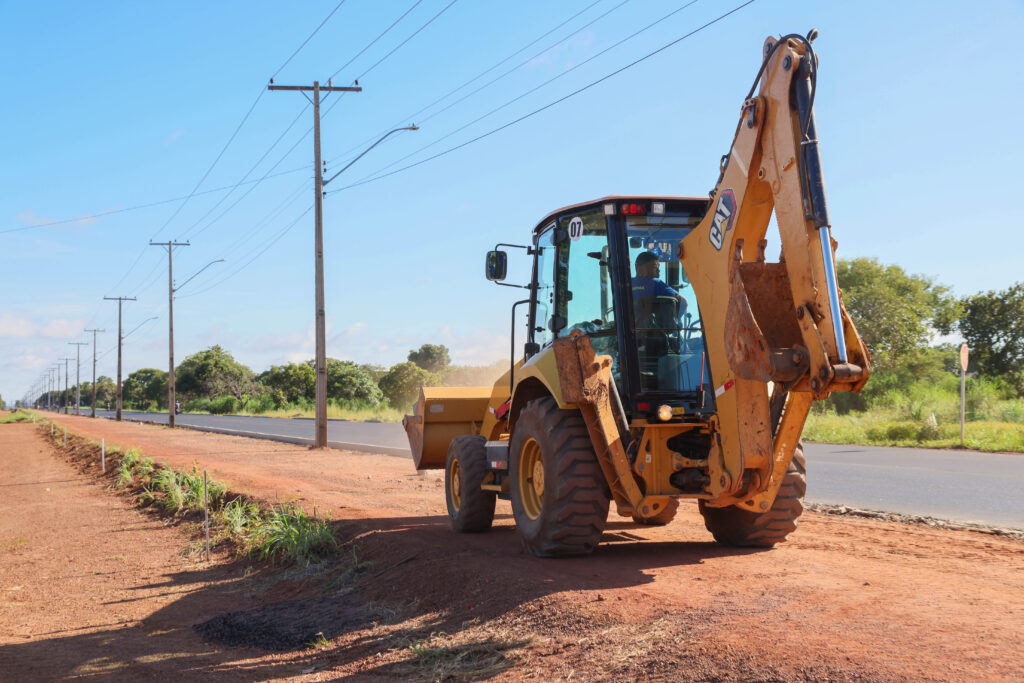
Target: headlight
x=664 y=413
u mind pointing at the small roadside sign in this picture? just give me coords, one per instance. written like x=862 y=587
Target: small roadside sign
x=963 y=390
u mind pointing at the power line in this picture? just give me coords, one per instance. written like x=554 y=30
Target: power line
x=551 y=47
x=242 y=123
x=414 y=115
x=111 y=212
x=547 y=82
x=301 y=113
x=550 y=104
x=413 y=35
x=372 y=42
x=299 y=48
x=395 y=49
x=252 y=186
x=266 y=245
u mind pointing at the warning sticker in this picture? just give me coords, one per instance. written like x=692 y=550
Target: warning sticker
x=724 y=388
x=722 y=222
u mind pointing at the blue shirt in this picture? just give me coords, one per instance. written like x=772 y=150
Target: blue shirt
x=651 y=286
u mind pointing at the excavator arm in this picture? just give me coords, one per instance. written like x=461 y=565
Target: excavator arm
x=777 y=334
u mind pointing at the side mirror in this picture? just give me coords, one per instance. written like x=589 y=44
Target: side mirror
x=497 y=265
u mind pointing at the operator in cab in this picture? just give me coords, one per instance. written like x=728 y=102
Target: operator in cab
x=647 y=285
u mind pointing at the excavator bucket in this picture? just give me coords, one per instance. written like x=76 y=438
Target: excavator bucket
x=440 y=415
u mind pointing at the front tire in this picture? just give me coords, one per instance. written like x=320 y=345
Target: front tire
x=470 y=508
x=559 y=494
x=736 y=527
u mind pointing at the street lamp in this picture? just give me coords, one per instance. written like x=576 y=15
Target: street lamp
x=140 y=325
x=383 y=137
x=320 y=432
x=171 y=400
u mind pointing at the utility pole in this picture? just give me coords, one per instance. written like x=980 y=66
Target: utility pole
x=320 y=434
x=54 y=383
x=93 y=411
x=120 y=301
x=170 y=244
x=66 y=362
x=78 y=375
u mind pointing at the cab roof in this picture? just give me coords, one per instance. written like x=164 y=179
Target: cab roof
x=615 y=198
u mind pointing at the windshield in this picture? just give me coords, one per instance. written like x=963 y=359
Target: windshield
x=666 y=319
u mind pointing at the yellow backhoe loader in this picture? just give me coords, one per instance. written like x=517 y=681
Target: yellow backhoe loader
x=645 y=387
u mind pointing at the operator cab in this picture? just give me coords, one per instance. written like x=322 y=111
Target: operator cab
x=610 y=269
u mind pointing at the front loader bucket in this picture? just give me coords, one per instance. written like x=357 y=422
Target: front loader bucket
x=440 y=415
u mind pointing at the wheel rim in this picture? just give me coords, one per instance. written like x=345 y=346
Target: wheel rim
x=455 y=485
x=531 y=478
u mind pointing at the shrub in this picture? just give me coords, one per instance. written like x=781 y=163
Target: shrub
x=259 y=404
x=902 y=431
x=224 y=405
x=197 y=405
x=289 y=535
x=401 y=385
x=239 y=515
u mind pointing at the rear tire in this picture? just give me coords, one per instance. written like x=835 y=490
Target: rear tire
x=667 y=514
x=559 y=494
x=736 y=527
x=470 y=508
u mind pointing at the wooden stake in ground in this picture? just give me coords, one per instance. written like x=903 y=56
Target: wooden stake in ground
x=206 y=517
x=103 y=456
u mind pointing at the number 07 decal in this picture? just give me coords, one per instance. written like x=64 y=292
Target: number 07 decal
x=576 y=229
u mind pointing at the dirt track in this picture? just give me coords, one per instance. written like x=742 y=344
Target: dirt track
x=845 y=599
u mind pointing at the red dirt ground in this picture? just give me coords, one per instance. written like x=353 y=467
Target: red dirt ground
x=91 y=586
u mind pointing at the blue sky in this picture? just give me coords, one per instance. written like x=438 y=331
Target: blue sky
x=113 y=105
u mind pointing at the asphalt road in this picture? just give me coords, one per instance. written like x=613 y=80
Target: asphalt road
x=962 y=486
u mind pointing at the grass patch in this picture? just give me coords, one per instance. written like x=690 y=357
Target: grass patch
x=180 y=492
x=443 y=657
x=890 y=428
x=287 y=535
x=383 y=412
x=126 y=468
x=19 y=416
x=14 y=543
x=283 y=535
x=320 y=642
x=349 y=572
x=239 y=516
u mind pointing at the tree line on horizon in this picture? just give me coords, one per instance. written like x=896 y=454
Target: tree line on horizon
x=213 y=381
x=899 y=316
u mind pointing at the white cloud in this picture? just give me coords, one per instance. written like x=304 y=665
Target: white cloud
x=30 y=218
x=173 y=137
x=22 y=327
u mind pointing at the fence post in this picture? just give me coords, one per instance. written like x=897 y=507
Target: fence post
x=65 y=437
x=51 y=429
x=103 y=456
x=206 y=517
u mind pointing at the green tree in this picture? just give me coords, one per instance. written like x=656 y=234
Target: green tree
x=375 y=371
x=146 y=386
x=894 y=311
x=106 y=391
x=992 y=324
x=431 y=357
x=401 y=384
x=350 y=382
x=294 y=380
x=213 y=373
